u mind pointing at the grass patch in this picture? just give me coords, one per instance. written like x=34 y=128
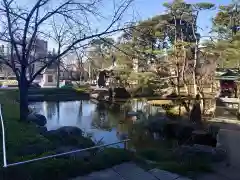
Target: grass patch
x=165 y=159
x=20 y=134
x=82 y=89
x=165 y=155
x=159 y=102
x=60 y=168
x=174 y=111
x=51 y=91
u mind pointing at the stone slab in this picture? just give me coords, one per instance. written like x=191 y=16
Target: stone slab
x=212 y=177
x=164 y=175
x=130 y=171
x=183 y=178
x=107 y=174
x=230 y=172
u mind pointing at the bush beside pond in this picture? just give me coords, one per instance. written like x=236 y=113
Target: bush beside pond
x=24 y=142
x=169 y=145
x=166 y=159
x=61 y=168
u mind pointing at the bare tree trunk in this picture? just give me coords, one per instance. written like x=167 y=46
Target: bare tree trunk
x=195 y=56
x=23 y=89
x=203 y=101
x=184 y=59
x=58 y=67
x=194 y=69
x=58 y=73
x=58 y=112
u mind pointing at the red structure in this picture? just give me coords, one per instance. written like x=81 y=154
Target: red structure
x=228 y=84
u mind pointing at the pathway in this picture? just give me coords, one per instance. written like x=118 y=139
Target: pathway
x=221 y=172
x=130 y=171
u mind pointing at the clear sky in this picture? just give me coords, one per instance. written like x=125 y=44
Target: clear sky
x=144 y=9
x=149 y=8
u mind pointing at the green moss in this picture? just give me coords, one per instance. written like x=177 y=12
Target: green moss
x=81 y=89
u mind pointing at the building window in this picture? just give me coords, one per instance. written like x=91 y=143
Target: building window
x=50 y=78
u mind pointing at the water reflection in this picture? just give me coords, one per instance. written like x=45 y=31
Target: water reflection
x=108 y=122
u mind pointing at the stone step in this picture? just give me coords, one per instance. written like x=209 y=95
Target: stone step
x=107 y=174
x=130 y=171
x=165 y=175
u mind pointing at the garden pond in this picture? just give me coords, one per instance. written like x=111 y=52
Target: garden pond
x=108 y=123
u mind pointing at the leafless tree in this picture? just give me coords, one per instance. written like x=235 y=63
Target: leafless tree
x=73 y=64
x=21 y=26
x=61 y=38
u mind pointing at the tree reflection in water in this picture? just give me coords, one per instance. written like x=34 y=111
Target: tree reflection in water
x=80 y=112
x=58 y=111
x=110 y=121
x=100 y=118
x=50 y=109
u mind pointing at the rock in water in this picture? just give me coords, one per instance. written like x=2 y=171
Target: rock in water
x=121 y=93
x=69 y=136
x=38 y=119
x=42 y=119
x=69 y=130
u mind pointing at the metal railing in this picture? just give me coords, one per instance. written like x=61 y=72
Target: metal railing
x=3 y=139
x=5 y=164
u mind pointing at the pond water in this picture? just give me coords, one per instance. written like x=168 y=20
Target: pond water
x=107 y=123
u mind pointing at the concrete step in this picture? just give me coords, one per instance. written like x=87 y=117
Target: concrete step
x=130 y=171
x=165 y=175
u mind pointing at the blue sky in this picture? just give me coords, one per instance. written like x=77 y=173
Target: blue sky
x=149 y=8
x=144 y=9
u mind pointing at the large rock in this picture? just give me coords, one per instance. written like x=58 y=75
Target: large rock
x=121 y=93
x=213 y=130
x=156 y=123
x=170 y=130
x=69 y=136
x=203 y=138
x=69 y=130
x=64 y=132
x=38 y=119
x=144 y=92
x=184 y=134
x=214 y=154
